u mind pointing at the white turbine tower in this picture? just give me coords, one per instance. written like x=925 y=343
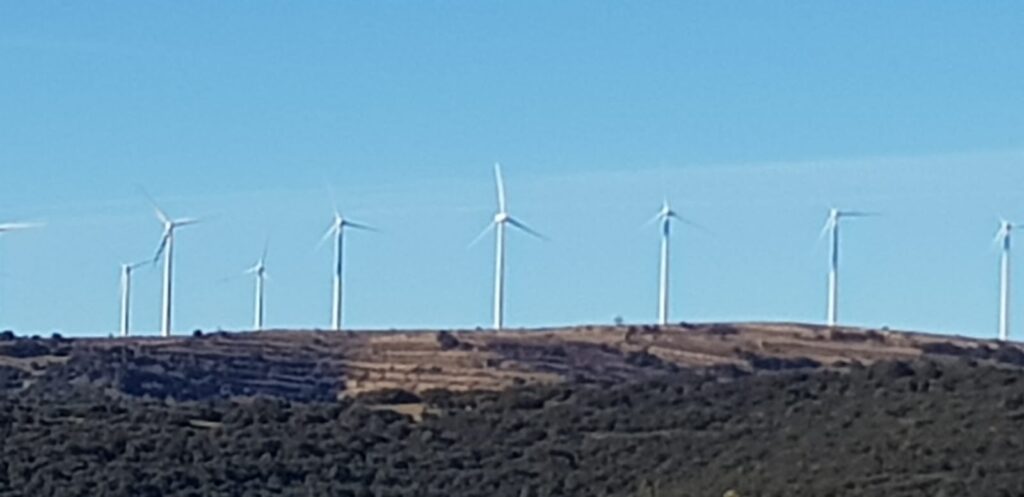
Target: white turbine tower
x=501 y=219
x=1003 y=238
x=259 y=270
x=166 y=250
x=337 y=230
x=832 y=230
x=665 y=217
x=126 y=294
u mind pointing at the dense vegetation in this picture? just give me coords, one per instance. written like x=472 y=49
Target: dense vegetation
x=926 y=428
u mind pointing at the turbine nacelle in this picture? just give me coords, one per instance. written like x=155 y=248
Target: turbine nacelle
x=502 y=217
x=339 y=225
x=666 y=215
x=1005 y=232
x=129 y=267
x=259 y=269
x=666 y=210
x=835 y=215
x=169 y=225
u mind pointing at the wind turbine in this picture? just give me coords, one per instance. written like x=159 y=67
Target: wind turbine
x=166 y=250
x=665 y=216
x=126 y=292
x=1003 y=237
x=337 y=230
x=501 y=219
x=260 y=271
x=832 y=230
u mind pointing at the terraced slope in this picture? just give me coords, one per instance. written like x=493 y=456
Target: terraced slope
x=312 y=365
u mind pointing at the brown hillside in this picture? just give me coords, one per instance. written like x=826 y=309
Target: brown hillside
x=316 y=365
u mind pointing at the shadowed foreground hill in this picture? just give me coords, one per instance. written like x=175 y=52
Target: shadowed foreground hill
x=894 y=429
x=895 y=415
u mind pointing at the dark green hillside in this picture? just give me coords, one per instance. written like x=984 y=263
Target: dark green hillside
x=923 y=428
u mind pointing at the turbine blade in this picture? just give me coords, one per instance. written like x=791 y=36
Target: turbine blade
x=829 y=223
x=654 y=219
x=859 y=214
x=1003 y=233
x=359 y=226
x=490 y=226
x=18 y=226
x=331 y=231
x=186 y=221
x=160 y=214
x=998 y=239
x=501 y=187
x=334 y=200
x=526 y=229
x=690 y=223
x=266 y=248
x=255 y=269
x=163 y=246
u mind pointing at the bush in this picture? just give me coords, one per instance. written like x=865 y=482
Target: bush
x=446 y=341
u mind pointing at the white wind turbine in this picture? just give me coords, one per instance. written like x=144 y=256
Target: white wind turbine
x=1003 y=238
x=259 y=270
x=126 y=294
x=501 y=219
x=166 y=250
x=665 y=217
x=832 y=230
x=337 y=230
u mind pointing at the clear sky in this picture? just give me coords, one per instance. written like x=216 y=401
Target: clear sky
x=753 y=118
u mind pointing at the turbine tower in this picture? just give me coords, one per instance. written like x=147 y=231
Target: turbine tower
x=126 y=294
x=166 y=250
x=1003 y=238
x=501 y=219
x=664 y=217
x=260 y=272
x=337 y=230
x=832 y=229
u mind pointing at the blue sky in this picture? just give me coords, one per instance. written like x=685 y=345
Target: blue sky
x=752 y=117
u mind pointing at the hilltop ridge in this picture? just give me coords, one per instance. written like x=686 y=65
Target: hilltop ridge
x=323 y=366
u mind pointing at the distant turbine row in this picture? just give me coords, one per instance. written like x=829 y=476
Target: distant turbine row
x=502 y=220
